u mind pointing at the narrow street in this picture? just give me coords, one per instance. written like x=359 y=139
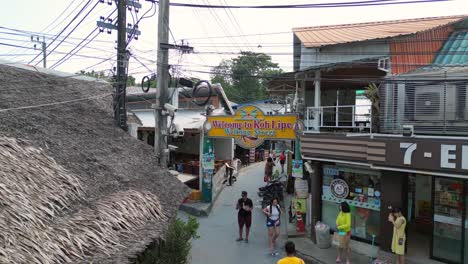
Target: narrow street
x=218 y=232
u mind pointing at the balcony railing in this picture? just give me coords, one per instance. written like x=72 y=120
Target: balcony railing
x=350 y=117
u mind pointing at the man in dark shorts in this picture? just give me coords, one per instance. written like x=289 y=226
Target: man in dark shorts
x=244 y=216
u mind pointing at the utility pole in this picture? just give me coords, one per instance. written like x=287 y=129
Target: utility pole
x=160 y=125
x=123 y=31
x=44 y=47
x=121 y=80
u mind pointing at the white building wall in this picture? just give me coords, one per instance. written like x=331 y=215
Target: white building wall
x=311 y=57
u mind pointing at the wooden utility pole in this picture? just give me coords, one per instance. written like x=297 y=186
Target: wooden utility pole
x=160 y=127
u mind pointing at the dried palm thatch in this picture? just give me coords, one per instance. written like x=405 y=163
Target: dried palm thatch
x=75 y=188
x=36 y=194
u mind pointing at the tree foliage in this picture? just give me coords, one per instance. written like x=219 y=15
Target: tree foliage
x=175 y=248
x=245 y=78
x=102 y=75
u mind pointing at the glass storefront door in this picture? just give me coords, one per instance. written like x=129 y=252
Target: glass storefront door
x=448 y=218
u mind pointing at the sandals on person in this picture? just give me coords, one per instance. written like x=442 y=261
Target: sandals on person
x=239 y=239
x=338 y=260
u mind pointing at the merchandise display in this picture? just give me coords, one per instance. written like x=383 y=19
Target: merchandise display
x=448 y=219
x=358 y=187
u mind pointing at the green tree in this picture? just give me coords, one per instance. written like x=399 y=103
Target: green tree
x=93 y=74
x=245 y=78
x=130 y=80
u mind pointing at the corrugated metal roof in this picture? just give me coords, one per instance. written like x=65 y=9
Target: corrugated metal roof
x=454 y=51
x=336 y=34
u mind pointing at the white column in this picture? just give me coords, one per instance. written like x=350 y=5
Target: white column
x=317 y=101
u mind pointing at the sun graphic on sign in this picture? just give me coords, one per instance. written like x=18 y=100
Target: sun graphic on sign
x=245 y=114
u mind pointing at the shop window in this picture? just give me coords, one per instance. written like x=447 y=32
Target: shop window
x=360 y=188
x=448 y=210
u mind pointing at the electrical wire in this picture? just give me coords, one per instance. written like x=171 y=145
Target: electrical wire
x=65 y=28
x=50 y=52
x=54 y=103
x=64 y=58
x=61 y=14
x=132 y=35
x=301 y=6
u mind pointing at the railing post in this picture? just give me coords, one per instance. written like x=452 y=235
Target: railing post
x=336 y=116
x=307 y=118
x=370 y=121
x=353 y=115
x=321 y=116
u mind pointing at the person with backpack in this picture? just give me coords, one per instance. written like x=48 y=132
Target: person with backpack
x=290 y=258
x=273 y=213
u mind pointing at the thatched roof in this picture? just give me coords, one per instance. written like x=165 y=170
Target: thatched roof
x=74 y=188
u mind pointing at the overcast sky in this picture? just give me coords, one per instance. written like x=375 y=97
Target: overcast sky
x=194 y=25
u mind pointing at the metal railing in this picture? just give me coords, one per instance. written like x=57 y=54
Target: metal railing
x=341 y=116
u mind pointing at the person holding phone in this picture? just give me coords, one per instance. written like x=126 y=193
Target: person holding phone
x=399 y=235
x=244 y=216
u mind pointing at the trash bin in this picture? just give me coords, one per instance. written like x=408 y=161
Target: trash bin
x=322 y=234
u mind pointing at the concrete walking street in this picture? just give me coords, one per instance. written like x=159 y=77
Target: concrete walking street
x=218 y=232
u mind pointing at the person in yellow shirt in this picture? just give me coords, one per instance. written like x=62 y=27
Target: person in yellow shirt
x=290 y=255
x=399 y=235
x=343 y=224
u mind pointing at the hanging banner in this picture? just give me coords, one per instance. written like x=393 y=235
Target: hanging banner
x=250 y=127
x=207 y=169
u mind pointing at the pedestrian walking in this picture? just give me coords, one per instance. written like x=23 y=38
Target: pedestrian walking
x=268 y=170
x=282 y=159
x=290 y=258
x=343 y=224
x=244 y=216
x=273 y=222
x=229 y=172
x=399 y=236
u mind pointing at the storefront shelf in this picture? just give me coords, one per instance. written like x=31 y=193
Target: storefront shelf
x=351 y=202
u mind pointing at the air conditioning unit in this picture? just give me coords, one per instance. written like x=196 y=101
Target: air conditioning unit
x=432 y=103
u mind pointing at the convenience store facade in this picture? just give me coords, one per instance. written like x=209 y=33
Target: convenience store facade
x=426 y=176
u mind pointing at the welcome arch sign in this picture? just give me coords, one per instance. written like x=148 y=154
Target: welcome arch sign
x=250 y=127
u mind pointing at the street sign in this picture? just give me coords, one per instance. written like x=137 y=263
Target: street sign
x=250 y=127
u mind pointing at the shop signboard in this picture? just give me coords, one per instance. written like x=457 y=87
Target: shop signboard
x=339 y=188
x=252 y=155
x=301 y=188
x=297 y=171
x=411 y=154
x=250 y=127
x=300 y=205
x=428 y=154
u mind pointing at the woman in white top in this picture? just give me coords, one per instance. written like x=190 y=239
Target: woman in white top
x=273 y=213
